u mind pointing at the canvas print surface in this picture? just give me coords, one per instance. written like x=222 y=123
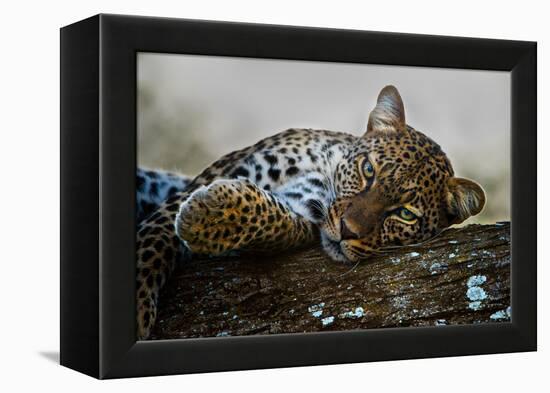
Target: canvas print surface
x=277 y=197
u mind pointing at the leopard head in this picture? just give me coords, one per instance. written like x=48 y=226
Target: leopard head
x=395 y=187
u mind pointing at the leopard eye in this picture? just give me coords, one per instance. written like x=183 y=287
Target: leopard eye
x=368 y=169
x=406 y=214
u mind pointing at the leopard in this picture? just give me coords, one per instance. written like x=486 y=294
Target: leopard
x=355 y=196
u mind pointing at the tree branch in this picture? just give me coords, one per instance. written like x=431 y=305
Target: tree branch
x=460 y=277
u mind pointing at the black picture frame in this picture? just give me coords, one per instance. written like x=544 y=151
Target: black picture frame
x=98 y=163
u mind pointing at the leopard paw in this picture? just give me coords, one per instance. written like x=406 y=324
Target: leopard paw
x=222 y=217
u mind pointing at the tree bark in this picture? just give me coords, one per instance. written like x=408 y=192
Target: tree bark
x=460 y=277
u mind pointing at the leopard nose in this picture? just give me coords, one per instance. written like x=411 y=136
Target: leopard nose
x=345 y=232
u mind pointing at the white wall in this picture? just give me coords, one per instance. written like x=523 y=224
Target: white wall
x=30 y=195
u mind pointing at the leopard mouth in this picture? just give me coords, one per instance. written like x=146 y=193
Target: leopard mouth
x=339 y=249
x=333 y=248
x=346 y=251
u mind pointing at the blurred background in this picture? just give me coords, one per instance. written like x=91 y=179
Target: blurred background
x=193 y=109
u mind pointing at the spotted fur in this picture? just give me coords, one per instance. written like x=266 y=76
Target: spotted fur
x=360 y=195
x=235 y=214
x=153 y=187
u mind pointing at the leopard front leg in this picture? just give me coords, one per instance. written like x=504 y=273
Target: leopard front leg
x=237 y=215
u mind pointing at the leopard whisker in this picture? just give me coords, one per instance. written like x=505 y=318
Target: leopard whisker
x=350 y=270
x=321 y=207
x=390 y=248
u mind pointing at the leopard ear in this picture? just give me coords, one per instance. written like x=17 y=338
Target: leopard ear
x=465 y=198
x=389 y=113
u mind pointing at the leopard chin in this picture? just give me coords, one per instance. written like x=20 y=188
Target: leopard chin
x=333 y=249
